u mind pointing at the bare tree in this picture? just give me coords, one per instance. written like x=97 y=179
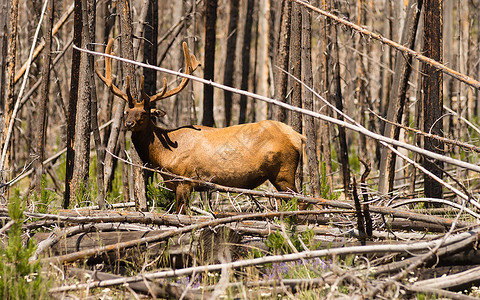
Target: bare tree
x=209 y=68
x=398 y=96
x=230 y=57
x=281 y=61
x=295 y=65
x=84 y=113
x=42 y=106
x=247 y=35
x=72 y=102
x=3 y=56
x=337 y=99
x=310 y=131
x=150 y=56
x=127 y=52
x=89 y=20
x=432 y=97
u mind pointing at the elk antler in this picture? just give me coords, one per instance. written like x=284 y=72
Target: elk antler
x=191 y=64
x=107 y=79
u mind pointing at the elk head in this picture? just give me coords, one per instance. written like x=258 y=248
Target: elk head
x=139 y=112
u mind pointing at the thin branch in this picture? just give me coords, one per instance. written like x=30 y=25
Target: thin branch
x=434 y=200
x=316 y=201
x=430 y=135
x=462 y=77
x=347 y=125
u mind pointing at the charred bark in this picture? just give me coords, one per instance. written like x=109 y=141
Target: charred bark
x=209 y=69
x=395 y=109
x=42 y=107
x=432 y=97
x=247 y=36
x=230 y=58
x=72 y=102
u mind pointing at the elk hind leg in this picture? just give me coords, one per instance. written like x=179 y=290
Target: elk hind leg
x=182 y=193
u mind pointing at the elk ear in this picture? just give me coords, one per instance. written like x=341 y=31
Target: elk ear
x=158 y=113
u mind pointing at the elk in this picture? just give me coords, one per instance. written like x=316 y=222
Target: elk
x=242 y=156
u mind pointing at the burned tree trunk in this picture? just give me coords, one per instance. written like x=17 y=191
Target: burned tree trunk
x=398 y=96
x=72 y=103
x=42 y=107
x=209 y=69
x=295 y=66
x=127 y=52
x=230 y=58
x=311 y=145
x=283 y=53
x=247 y=36
x=432 y=97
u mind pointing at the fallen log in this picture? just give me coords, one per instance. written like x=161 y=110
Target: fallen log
x=147 y=287
x=210 y=245
x=457 y=282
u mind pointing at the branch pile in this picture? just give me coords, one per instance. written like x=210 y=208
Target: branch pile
x=405 y=252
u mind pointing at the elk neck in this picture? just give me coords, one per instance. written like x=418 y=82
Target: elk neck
x=152 y=138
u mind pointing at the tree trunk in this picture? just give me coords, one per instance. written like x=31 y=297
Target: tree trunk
x=398 y=92
x=432 y=97
x=209 y=69
x=336 y=94
x=311 y=146
x=325 y=127
x=42 y=106
x=261 y=78
x=296 y=70
x=113 y=141
x=90 y=20
x=230 y=58
x=386 y=59
x=150 y=56
x=3 y=58
x=8 y=111
x=127 y=52
x=247 y=36
x=84 y=113
x=283 y=53
x=72 y=102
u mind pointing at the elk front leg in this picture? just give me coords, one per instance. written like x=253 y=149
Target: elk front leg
x=182 y=194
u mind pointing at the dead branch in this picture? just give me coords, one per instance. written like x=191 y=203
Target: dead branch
x=438 y=292
x=40 y=47
x=167 y=234
x=462 y=77
x=430 y=135
x=398 y=248
x=443 y=251
x=347 y=125
x=456 y=281
x=315 y=201
x=156 y=289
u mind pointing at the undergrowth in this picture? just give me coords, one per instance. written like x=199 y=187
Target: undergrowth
x=20 y=279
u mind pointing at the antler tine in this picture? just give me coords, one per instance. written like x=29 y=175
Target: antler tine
x=191 y=64
x=107 y=79
x=158 y=96
x=128 y=94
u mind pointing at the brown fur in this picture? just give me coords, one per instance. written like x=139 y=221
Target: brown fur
x=241 y=156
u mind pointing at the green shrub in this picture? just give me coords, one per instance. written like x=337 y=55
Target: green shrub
x=19 y=278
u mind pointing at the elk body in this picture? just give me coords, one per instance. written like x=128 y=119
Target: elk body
x=242 y=156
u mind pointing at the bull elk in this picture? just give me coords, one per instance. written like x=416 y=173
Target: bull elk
x=242 y=156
